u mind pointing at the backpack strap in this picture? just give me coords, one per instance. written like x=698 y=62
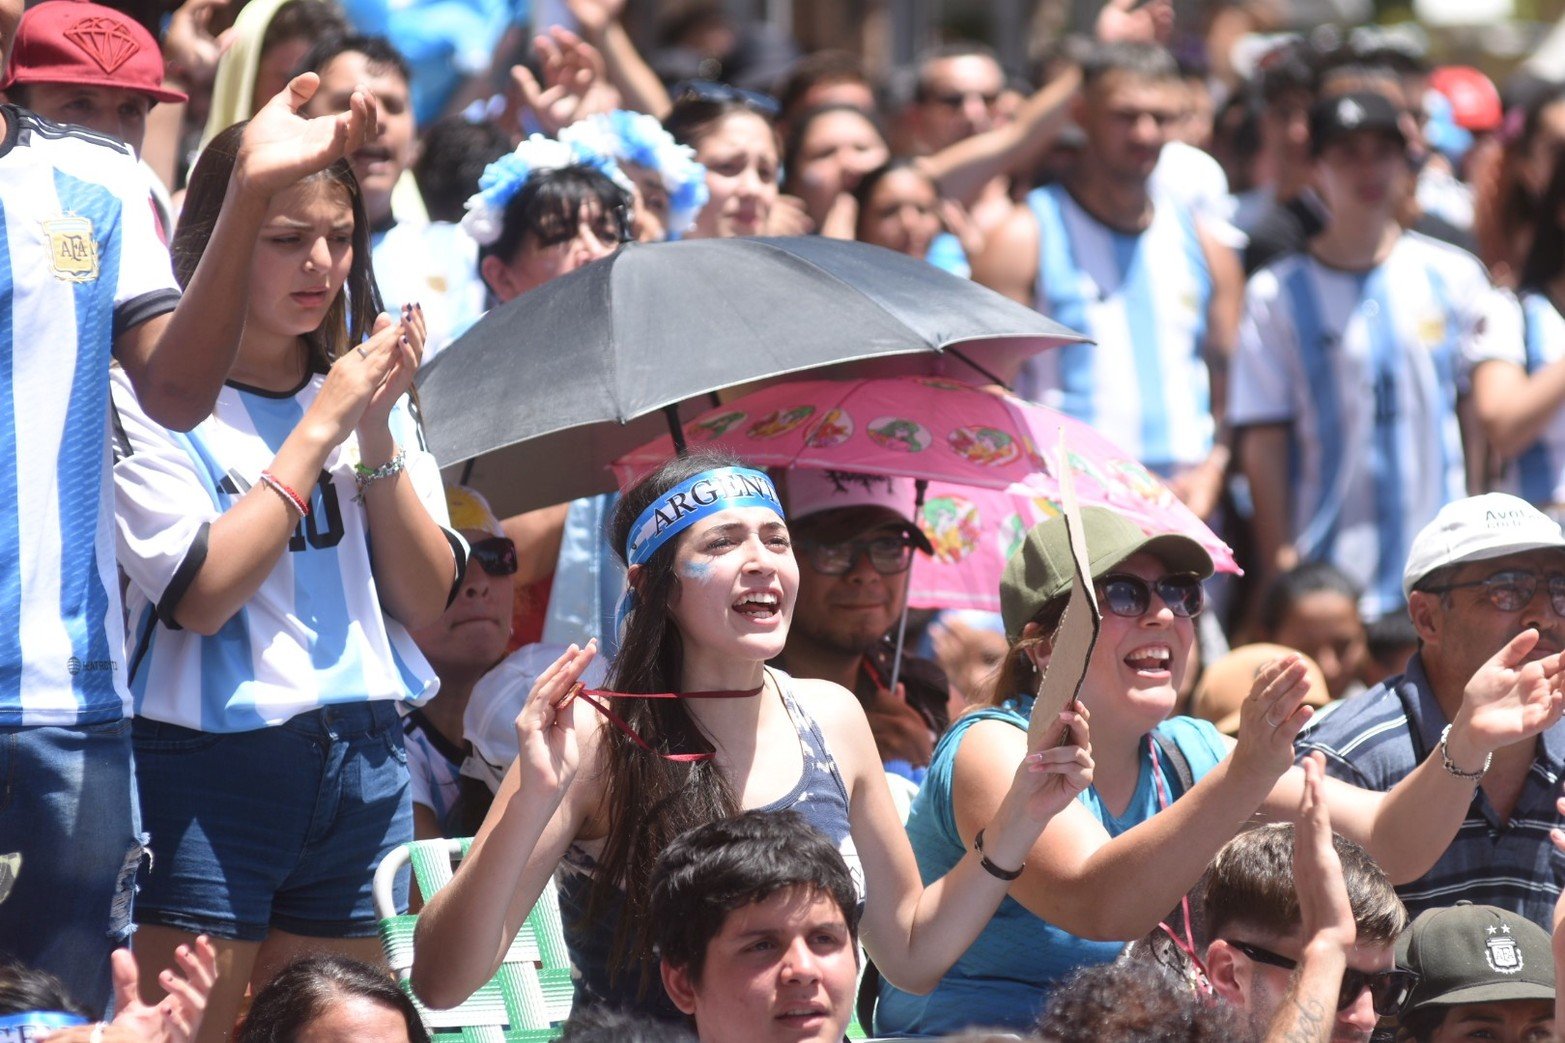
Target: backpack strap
x=1176 y=760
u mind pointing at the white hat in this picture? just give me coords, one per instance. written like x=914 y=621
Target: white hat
x=489 y=722
x=1477 y=528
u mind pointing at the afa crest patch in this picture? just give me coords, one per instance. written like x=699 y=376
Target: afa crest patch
x=73 y=250
x=1500 y=951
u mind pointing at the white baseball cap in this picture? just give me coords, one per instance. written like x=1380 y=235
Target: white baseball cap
x=811 y=491
x=1477 y=528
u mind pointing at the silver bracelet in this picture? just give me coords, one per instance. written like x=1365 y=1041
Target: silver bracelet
x=364 y=477
x=1450 y=765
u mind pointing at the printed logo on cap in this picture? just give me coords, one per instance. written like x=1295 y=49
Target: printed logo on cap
x=1349 y=113
x=1508 y=519
x=1500 y=951
x=104 y=40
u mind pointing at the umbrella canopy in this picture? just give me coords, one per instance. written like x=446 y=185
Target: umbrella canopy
x=558 y=377
x=992 y=459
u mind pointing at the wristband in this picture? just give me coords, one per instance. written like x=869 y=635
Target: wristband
x=1450 y=765
x=281 y=488
x=989 y=867
x=364 y=477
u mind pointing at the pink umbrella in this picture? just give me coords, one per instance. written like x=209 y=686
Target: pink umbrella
x=979 y=449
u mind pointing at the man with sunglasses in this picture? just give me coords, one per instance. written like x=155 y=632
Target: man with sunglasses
x=1251 y=910
x=1479 y=576
x=854 y=539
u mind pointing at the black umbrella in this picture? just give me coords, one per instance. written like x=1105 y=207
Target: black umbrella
x=546 y=390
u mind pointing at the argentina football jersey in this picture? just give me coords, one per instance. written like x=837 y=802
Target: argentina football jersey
x=81 y=263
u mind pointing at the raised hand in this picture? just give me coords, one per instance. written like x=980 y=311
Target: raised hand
x=595 y=16
x=1051 y=776
x=1271 y=717
x=1133 y=21
x=546 y=736
x=575 y=81
x=1324 y=909
x=1509 y=699
x=404 y=344
x=280 y=146
x=176 y=1017
x=189 y=48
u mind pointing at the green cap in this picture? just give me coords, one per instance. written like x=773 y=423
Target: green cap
x=1476 y=954
x=1040 y=570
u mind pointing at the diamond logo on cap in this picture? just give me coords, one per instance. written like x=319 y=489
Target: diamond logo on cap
x=104 y=40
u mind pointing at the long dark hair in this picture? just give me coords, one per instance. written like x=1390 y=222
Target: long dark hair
x=651 y=800
x=302 y=991
x=1503 y=207
x=352 y=315
x=548 y=209
x=1546 y=258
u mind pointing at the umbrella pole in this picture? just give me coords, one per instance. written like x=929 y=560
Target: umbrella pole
x=676 y=430
x=920 y=485
x=981 y=369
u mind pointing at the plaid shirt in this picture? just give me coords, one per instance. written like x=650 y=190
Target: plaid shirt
x=1375 y=739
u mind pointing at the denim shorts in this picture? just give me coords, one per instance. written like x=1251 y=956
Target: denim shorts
x=279 y=827
x=69 y=851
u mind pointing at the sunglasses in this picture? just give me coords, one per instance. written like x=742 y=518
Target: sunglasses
x=1512 y=590
x=722 y=93
x=1131 y=596
x=496 y=555
x=888 y=555
x=1388 y=990
x=957 y=99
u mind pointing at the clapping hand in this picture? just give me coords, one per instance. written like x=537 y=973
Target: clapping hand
x=547 y=740
x=1509 y=699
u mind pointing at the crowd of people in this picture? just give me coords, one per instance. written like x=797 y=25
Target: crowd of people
x=260 y=642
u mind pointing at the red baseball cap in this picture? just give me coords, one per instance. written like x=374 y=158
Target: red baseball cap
x=1475 y=103
x=72 y=41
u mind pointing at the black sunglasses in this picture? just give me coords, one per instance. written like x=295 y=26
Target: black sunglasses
x=1131 y=596
x=888 y=555
x=1388 y=990
x=721 y=93
x=1512 y=590
x=956 y=99
x=496 y=555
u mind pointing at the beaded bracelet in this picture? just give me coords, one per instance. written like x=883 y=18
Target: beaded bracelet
x=291 y=498
x=364 y=477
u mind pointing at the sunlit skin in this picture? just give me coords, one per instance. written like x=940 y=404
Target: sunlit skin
x=380 y=161
x=736 y=582
x=1514 y=1021
x=901 y=214
x=651 y=203
x=1363 y=174
x=837 y=150
x=276 y=68
x=1127 y=120
x=301 y=260
x=473 y=631
x=1325 y=625
x=740 y=156
x=354 y=1019
x=535 y=263
x=109 y=110
x=781 y=970
x=849 y=613
x=1259 y=989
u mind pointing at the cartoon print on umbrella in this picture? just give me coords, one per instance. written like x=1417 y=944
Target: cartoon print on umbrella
x=779 y=423
x=984 y=446
x=905 y=436
x=835 y=428
x=953 y=525
x=1141 y=482
x=713 y=428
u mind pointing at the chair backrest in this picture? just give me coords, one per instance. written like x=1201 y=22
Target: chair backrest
x=529 y=996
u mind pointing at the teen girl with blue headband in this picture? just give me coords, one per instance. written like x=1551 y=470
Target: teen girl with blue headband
x=598 y=793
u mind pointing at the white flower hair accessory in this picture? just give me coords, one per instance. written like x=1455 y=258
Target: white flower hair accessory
x=635 y=137
x=509 y=174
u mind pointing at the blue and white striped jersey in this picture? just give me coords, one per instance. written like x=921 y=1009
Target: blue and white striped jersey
x=1365 y=367
x=315 y=633
x=1143 y=297
x=80 y=261
x=1529 y=333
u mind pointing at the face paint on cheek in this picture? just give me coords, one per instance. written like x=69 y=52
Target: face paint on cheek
x=695 y=570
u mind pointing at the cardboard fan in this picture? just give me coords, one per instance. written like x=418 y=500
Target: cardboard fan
x=1078 y=629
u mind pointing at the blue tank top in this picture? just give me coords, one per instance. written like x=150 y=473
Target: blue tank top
x=1004 y=978
x=820 y=797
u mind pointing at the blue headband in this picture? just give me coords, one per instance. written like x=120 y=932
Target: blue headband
x=36 y=1024
x=694 y=499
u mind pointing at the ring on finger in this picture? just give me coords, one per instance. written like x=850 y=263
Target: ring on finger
x=363 y=352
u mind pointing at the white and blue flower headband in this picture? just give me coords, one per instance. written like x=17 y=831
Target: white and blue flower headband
x=687 y=503
x=508 y=175
x=635 y=137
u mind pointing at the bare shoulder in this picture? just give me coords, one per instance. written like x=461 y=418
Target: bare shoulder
x=991 y=746
x=829 y=704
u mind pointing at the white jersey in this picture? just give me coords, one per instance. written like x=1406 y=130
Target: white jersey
x=314 y=634
x=81 y=262
x=1529 y=333
x=1143 y=298
x=1365 y=368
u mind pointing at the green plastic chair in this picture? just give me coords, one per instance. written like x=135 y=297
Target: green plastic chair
x=529 y=996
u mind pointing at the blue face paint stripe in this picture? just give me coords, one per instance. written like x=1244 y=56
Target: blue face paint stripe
x=1388 y=371
x=1058 y=295
x=84 y=603
x=1536 y=471
x=1318 y=538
